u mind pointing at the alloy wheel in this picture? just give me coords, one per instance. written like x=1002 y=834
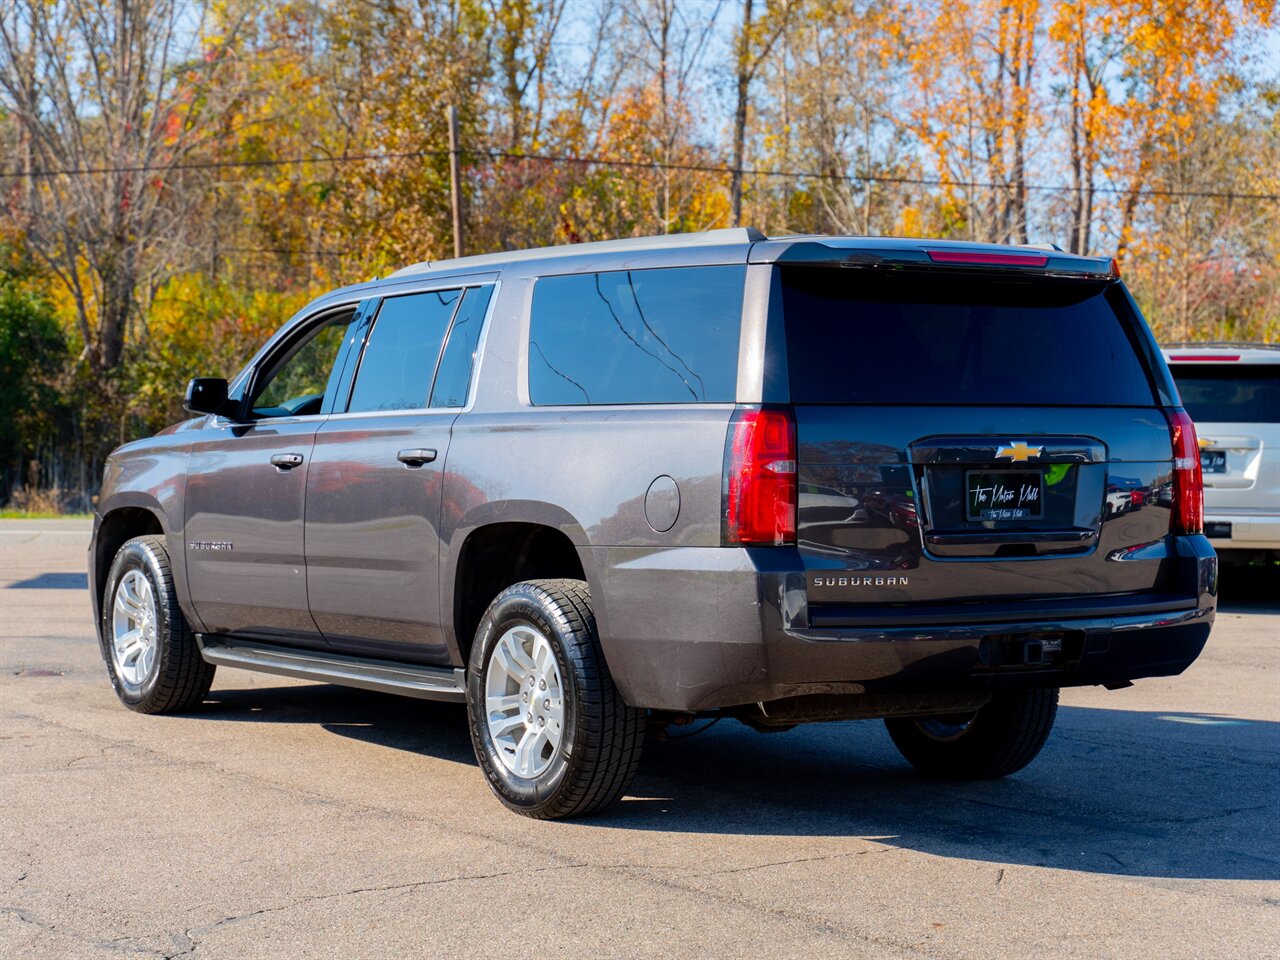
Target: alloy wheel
x=524 y=701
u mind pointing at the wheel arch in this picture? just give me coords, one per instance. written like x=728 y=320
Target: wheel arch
x=504 y=543
x=118 y=525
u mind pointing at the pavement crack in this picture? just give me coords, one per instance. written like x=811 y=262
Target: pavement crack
x=193 y=935
x=784 y=863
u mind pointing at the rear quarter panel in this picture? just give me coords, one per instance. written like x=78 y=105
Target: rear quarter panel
x=583 y=470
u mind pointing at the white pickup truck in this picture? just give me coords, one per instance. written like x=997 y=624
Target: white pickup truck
x=1232 y=392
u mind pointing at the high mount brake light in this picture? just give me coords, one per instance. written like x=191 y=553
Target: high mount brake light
x=759 y=499
x=1205 y=356
x=1188 y=484
x=988 y=259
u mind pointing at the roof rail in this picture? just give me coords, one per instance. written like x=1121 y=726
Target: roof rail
x=724 y=236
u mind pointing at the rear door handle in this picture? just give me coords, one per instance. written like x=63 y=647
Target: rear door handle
x=416 y=456
x=286 y=461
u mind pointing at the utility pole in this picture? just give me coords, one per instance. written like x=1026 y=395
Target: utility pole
x=455 y=186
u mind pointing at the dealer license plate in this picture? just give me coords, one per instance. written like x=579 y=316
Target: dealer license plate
x=1006 y=495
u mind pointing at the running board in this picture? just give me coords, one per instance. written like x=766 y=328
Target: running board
x=385 y=676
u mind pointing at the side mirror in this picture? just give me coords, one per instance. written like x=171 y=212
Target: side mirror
x=206 y=395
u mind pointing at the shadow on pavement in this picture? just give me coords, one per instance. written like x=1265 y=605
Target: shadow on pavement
x=53 y=581
x=1251 y=589
x=418 y=726
x=1115 y=791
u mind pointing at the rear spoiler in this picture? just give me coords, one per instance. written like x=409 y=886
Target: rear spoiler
x=949 y=257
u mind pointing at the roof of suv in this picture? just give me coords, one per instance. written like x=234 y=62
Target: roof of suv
x=757 y=248
x=670 y=241
x=1221 y=352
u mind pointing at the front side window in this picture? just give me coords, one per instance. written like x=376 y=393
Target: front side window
x=399 y=360
x=636 y=336
x=294 y=386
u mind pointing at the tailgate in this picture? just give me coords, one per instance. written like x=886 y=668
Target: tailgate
x=968 y=436
x=890 y=509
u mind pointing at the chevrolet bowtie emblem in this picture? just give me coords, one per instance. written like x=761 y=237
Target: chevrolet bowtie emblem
x=1018 y=451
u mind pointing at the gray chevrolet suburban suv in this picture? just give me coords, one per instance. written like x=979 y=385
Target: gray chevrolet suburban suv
x=594 y=488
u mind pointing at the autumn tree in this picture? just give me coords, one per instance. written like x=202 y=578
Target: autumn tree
x=1141 y=75
x=111 y=101
x=756 y=39
x=834 y=116
x=973 y=91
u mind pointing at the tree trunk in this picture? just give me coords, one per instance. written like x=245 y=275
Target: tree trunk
x=740 y=114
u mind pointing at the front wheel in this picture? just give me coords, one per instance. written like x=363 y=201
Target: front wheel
x=550 y=730
x=151 y=653
x=999 y=739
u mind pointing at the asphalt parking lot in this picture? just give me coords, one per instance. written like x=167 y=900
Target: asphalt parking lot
x=287 y=819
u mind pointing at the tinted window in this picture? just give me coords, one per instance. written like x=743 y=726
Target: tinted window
x=297 y=384
x=454 y=376
x=854 y=337
x=636 y=336
x=1231 y=393
x=400 y=358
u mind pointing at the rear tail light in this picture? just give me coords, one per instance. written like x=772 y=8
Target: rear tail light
x=759 y=506
x=1188 y=485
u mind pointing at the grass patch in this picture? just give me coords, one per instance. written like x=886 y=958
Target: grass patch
x=42 y=515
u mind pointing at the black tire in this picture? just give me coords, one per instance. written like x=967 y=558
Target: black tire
x=179 y=678
x=1000 y=739
x=602 y=737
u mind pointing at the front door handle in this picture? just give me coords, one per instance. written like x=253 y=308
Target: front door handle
x=416 y=456
x=286 y=461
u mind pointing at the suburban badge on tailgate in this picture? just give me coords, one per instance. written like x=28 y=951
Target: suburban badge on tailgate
x=1018 y=451
x=861 y=581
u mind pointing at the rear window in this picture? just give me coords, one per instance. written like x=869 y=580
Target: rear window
x=1230 y=393
x=636 y=336
x=857 y=337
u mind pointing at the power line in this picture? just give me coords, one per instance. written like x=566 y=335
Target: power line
x=655 y=165
x=873 y=178
x=216 y=165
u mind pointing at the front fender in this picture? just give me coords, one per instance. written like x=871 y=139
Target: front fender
x=149 y=475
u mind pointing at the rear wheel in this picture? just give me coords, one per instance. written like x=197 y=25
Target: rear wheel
x=999 y=739
x=549 y=728
x=151 y=653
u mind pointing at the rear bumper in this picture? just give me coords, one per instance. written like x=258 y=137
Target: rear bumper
x=1249 y=531
x=694 y=629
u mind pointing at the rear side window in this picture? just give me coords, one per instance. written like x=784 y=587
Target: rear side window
x=400 y=358
x=856 y=337
x=1230 y=393
x=636 y=336
x=454 y=377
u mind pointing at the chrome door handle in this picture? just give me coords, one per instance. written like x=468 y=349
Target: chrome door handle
x=286 y=461
x=416 y=456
